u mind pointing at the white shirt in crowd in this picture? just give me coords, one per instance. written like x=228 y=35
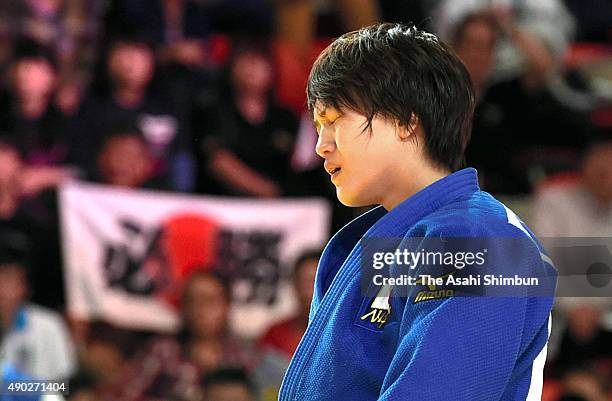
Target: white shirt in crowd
x=570 y=211
x=39 y=344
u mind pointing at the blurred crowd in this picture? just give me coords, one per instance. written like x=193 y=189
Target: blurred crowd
x=208 y=97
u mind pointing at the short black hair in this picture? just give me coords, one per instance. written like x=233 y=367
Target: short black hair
x=130 y=41
x=213 y=274
x=228 y=375
x=595 y=144
x=399 y=71
x=126 y=132
x=28 y=50
x=15 y=247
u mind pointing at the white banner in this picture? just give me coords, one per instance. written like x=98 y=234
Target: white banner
x=127 y=252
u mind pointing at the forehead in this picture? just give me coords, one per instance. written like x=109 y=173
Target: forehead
x=126 y=141
x=28 y=64
x=7 y=152
x=205 y=286
x=250 y=56
x=477 y=29
x=322 y=111
x=125 y=48
x=12 y=270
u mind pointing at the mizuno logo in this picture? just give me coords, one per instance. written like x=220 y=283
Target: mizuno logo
x=433 y=292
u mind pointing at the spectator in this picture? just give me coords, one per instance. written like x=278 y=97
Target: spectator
x=535 y=37
x=22 y=216
x=102 y=354
x=584 y=341
x=516 y=129
x=297 y=22
x=535 y=34
x=303 y=29
x=177 y=28
x=581 y=207
x=125 y=161
x=228 y=384
x=584 y=384
x=35 y=339
x=206 y=310
x=65 y=28
x=170 y=367
x=133 y=105
x=27 y=116
x=279 y=343
x=285 y=336
x=185 y=35
x=247 y=141
x=181 y=33
x=181 y=29
x=185 y=39
x=11 y=173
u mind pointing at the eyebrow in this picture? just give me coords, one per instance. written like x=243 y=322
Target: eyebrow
x=319 y=115
x=320 y=118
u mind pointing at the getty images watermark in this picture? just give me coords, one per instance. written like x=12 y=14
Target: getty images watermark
x=431 y=268
x=455 y=260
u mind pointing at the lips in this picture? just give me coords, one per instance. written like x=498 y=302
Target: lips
x=332 y=169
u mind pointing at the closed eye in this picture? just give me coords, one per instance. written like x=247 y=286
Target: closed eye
x=323 y=121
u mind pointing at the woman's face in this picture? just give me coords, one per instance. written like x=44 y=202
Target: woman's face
x=34 y=79
x=125 y=161
x=206 y=306
x=364 y=166
x=252 y=72
x=476 y=48
x=131 y=65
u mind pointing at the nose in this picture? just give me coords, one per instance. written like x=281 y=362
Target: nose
x=325 y=143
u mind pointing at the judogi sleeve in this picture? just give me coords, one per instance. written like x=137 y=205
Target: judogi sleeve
x=470 y=348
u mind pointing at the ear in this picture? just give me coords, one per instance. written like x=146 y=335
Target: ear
x=404 y=132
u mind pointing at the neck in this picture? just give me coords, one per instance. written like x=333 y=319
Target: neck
x=7 y=316
x=33 y=108
x=251 y=96
x=253 y=107
x=411 y=181
x=206 y=340
x=218 y=335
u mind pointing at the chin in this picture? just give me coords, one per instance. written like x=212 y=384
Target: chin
x=351 y=200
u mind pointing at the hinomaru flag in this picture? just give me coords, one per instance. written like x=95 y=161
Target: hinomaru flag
x=127 y=253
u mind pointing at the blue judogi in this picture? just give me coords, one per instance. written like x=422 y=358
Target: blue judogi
x=448 y=348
